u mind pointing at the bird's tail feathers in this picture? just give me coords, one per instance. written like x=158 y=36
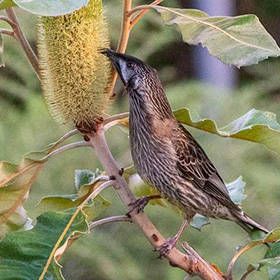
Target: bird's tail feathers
x=245 y=222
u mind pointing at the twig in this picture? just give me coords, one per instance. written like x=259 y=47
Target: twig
x=238 y=254
x=98 y=190
x=188 y=277
x=23 y=41
x=8 y=32
x=64 y=138
x=115 y=117
x=142 y=13
x=66 y=147
x=113 y=120
x=175 y=257
x=139 y=8
x=125 y=30
x=201 y=267
x=246 y=274
x=9 y=21
x=109 y=220
x=123 y=40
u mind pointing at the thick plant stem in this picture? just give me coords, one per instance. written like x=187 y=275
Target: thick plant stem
x=123 y=40
x=176 y=258
x=32 y=58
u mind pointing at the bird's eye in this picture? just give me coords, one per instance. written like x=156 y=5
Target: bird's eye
x=129 y=65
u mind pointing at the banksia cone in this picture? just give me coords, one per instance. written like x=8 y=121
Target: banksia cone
x=74 y=74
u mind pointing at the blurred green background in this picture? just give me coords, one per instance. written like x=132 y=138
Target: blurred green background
x=120 y=251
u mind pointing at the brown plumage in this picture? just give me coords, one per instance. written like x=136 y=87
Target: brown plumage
x=166 y=155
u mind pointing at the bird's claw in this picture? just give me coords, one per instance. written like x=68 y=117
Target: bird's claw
x=166 y=247
x=138 y=204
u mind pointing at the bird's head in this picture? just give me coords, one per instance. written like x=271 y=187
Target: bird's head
x=142 y=83
x=131 y=70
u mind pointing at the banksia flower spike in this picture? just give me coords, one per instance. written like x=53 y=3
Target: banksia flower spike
x=75 y=76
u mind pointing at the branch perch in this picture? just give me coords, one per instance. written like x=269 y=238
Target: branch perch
x=189 y=263
x=13 y=21
x=142 y=13
x=8 y=32
x=109 y=220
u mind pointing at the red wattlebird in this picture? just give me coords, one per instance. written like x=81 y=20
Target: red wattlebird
x=165 y=154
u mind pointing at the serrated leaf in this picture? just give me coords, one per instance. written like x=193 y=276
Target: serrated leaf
x=255 y=126
x=239 y=41
x=4 y=4
x=139 y=188
x=1 y=50
x=24 y=255
x=51 y=7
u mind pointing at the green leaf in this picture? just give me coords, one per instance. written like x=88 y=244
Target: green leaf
x=255 y=126
x=4 y=4
x=1 y=50
x=272 y=261
x=93 y=209
x=85 y=182
x=51 y=7
x=256 y=234
x=139 y=188
x=273 y=236
x=236 y=190
x=83 y=177
x=273 y=251
x=239 y=41
x=24 y=255
x=199 y=221
x=15 y=183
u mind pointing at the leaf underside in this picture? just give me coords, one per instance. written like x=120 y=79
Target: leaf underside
x=239 y=41
x=51 y=7
x=255 y=126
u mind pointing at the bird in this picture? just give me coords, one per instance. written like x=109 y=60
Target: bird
x=166 y=155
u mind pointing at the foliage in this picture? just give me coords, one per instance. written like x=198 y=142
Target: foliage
x=25 y=254
x=46 y=7
x=224 y=37
x=257 y=126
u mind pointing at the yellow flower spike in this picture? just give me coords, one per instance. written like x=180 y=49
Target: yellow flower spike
x=75 y=75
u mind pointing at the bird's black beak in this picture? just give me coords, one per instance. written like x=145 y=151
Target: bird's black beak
x=115 y=59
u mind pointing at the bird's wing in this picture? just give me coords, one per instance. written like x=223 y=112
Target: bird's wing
x=195 y=166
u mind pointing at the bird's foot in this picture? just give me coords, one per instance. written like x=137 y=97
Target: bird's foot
x=138 y=204
x=166 y=247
